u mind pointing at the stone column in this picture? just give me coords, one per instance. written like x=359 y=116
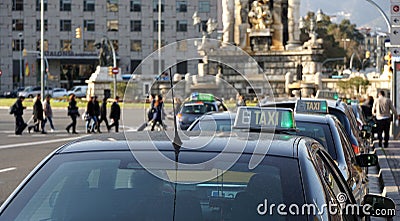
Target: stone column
x=228 y=20
x=294 y=32
x=277 y=26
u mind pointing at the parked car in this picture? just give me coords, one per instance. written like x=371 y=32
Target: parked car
x=31 y=92
x=59 y=92
x=14 y=93
x=117 y=180
x=79 y=91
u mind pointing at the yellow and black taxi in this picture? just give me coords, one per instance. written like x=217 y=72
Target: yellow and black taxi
x=197 y=105
x=312 y=120
x=255 y=175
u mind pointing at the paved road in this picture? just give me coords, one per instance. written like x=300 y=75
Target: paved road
x=20 y=154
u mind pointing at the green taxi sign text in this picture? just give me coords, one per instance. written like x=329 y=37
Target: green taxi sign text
x=264 y=118
x=311 y=106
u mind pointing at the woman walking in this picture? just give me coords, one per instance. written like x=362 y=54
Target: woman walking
x=48 y=113
x=73 y=113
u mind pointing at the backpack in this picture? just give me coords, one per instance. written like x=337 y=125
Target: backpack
x=13 y=109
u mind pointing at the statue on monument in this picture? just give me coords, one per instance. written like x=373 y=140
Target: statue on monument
x=105 y=57
x=260 y=15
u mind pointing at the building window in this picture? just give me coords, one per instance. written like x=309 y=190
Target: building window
x=88 y=25
x=16 y=44
x=38 y=25
x=204 y=6
x=135 y=6
x=65 y=25
x=65 y=5
x=155 y=44
x=181 y=26
x=203 y=26
x=112 y=25
x=88 y=45
x=66 y=45
x=38 y=5
x=136 y=25
x=112 y=5
x=181 y=6
x=88 y=5
x=155 y=25
x=136 y=45
x=135 y=64
x=155 y=5
x=45 y=45
x=17 y=24
x=17 y=5
x=182 y=67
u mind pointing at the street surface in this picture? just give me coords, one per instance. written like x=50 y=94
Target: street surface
x=20 y=154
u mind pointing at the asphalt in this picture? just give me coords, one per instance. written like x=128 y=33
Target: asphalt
x=384 y=179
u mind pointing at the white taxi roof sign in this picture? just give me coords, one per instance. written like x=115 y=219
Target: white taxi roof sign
x=264 y=118
x=311 y=106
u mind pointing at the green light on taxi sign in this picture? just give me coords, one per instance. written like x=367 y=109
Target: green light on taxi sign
x=202 y=97
x=264 y=118
x=311 y=106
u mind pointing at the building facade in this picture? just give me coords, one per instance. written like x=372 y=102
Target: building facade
x=131 y=26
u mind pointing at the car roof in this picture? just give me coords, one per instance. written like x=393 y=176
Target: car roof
x=219 y=115
x=312 y=118
x=282 y=145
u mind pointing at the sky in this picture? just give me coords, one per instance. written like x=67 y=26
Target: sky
x=359 y=12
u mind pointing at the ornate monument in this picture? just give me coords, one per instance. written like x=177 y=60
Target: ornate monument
x=105 y=55
x=261 y=19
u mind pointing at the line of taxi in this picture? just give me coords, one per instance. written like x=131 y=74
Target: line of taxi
x=264 y=169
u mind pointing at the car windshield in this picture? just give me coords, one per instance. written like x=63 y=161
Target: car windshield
x=199 y=108
x=319 y=132
x=113 y=186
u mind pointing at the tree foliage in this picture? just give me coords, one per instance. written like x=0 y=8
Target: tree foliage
x=340 y=40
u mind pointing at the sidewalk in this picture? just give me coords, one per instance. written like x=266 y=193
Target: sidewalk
x=385 y=178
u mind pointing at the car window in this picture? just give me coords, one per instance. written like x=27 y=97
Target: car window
x=213 y=125
x=113 y=186
x=319 y=132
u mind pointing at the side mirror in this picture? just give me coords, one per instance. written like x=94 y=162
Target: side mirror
x=367 y=160
x=378 y=206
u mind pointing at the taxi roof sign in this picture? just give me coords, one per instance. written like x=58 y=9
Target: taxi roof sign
x=201 y=97
x=311 y=106
x=259 y=118
x=327 y=94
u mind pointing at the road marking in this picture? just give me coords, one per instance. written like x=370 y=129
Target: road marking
x=40 y=142
x=8 y=169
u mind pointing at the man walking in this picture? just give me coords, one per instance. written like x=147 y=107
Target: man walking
x=103 y=114
x=383 y=109
x=91 y=116
x=18 y=111
x=115 y=114
x=37 y=116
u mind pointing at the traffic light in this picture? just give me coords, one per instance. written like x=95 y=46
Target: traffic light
x=78 y=32
x=110 y=70
x=24 y=52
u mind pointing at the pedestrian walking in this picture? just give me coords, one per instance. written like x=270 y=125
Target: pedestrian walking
x=48 y=113
x=115 y=114
x=383 y=109
x=18 y=110
x=157 y=112
x=37 y=116
x=241 y=101
x=103 y=114
x=90 y=116
x=73 y=113
x=96 y=110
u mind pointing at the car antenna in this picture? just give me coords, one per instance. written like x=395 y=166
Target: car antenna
x=177 y=143
x=177 y=140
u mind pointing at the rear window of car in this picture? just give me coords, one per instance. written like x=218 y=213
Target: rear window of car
x=200 y=108
x=213 y=125
x=113 y=186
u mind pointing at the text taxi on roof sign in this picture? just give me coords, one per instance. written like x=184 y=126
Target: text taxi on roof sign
x=269 y=119
x=311 y=106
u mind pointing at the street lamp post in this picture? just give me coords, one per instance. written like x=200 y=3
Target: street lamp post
x=20 y=60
